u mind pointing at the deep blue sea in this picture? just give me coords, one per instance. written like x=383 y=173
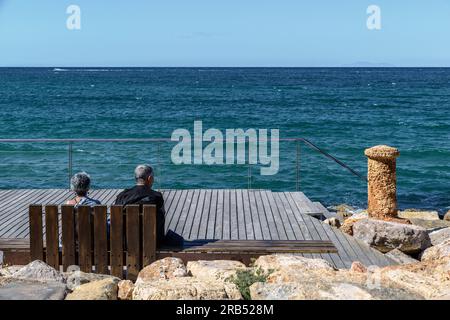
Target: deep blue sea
x=342 y=110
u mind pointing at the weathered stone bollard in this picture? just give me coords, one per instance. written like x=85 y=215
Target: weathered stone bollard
x=382 y=182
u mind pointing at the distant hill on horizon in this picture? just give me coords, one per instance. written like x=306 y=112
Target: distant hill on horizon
x=365 y=64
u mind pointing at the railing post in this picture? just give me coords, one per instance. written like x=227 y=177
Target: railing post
x=69 y=169
x=249 y=177
x=382 y=182
x=297 y=167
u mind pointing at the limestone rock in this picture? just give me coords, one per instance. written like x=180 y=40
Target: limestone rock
x=418 y=214
x=77 y=278
x=214 y=270
x=439 y=236
x=39 y=271
x=9 y=271
x=15 y=289
x=324 y=288
x=166 y=268
x=126 y=288
x=334 y=222
x=358 y=267
x=347 y=226
x=185 y=288
x=439 y=251
x=285 y=262
x=105 y=289
x=430 y=279
x=447 y=216
x=420 y=280
x=430 y=225
x=386 y=235
x=400 y=257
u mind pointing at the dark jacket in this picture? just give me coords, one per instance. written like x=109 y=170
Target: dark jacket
x=145 y=195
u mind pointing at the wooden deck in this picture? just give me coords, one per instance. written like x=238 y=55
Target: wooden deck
x=228 y=214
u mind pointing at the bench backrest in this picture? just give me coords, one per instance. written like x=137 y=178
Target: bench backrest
x=79 y=237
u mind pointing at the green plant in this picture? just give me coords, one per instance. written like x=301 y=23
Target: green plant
x=243 y=279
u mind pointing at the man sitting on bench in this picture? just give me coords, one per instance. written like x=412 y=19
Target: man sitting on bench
x=142 y=193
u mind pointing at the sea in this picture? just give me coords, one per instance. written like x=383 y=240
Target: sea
x=343 y=111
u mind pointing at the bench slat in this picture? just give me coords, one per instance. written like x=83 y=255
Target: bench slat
x=84 y=238
x=68 y=236
x=51 y=236
x=116 y=235
x=132 y=221
x=148 y=235
x=100 y=240
x=36 y=237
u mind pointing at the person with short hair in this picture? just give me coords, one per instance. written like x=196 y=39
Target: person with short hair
x=142 y=193
x=80 y=184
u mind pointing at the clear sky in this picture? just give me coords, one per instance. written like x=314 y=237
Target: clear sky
x=224 y=33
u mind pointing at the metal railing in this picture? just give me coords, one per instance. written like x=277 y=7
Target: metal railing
x=297 y=141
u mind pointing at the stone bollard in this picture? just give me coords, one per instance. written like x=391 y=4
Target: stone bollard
x=382 y=182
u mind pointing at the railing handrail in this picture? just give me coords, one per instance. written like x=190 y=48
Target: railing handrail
x=74 y=140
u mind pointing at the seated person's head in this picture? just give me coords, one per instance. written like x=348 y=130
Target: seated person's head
x=143 y=175
x=80 y=183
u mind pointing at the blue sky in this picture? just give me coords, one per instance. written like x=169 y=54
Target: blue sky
x=224 y=33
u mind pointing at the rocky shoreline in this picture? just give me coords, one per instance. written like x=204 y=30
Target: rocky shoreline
x=418 y=241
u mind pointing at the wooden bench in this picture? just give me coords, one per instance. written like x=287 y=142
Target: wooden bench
x=83 y=235
x=79 y=237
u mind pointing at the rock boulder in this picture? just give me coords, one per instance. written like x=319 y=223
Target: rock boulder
x=214 y=270
x=166 y=268
x=439 y=236
x=105 y=289
x=77 y=278
x=386 y=235
x=126 y=288
x=418 y=214
x=15 y=289
x=400 y=257
x=185 y=288
x=38 y=271
x=437 y=252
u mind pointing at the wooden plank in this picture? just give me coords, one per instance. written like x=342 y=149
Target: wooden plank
x=51 y=236
x=255 y=217
x=261 y=242
x=84 y=238
x=218 y=227
x=226 y=223
x=284 y=226
x=188 y=214
x=249 y=231
x=203 y=223
x=100 y=240
x=234 y=223
x=211 y=224
x=275 y=228
x=68 y=236
x=241 y=218
x=196 y=216
x=12 y=215
x=265 y=226
x=132 y=222
x=180 y=213
x=20 y=228
x=149 y=235
x=36 y=236
x=314 y=225
x=288 y=219
x=116 y=238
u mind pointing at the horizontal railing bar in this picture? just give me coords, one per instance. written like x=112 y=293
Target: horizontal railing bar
x=306 y=141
